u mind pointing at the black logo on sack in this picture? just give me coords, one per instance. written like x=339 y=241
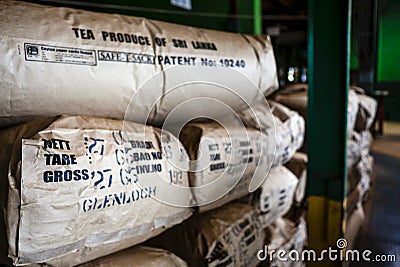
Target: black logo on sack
x=32 y=50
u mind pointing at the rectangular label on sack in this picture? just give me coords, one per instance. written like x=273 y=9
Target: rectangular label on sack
x=59 y=54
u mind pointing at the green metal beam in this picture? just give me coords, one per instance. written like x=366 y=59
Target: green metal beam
x=375 y=39
x=257 y=11
x=328 y=63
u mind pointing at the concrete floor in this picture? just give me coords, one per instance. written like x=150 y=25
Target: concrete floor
x=391 y=128
x=381 y=232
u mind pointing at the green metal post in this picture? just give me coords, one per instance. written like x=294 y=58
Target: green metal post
x=328 y=63
x=257 y=11
x=375 y=39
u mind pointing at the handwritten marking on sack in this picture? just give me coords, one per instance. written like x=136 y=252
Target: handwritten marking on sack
x=103 y=178
x=94 y=147
x=175 y=177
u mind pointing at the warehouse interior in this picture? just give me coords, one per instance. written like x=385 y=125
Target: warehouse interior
x=200 y=133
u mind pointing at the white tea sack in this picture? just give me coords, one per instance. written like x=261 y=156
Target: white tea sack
x=80 y=188
x=116 y=66
x=224 y=161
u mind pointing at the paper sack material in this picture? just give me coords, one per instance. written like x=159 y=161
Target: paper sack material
x=138 y=256
x=57 y=60
x=284 y=125
x=286 y=235
x=228 y=157
x=366 y=111
x=77 y=188
x=295 y=97
x=298 y=166
x=276 y=196
x=228 y=236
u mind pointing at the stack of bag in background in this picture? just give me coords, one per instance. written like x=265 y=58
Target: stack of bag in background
x=75 y=188
x=281 y=198
x=360 y=116
x=282 y=209
x=359 y=173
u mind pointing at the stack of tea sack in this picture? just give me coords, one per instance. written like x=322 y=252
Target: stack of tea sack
x=359 y=173
x=360 y=116
x=284 y=220
x=229 y=158
x=87 y=173
x=280 y=199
